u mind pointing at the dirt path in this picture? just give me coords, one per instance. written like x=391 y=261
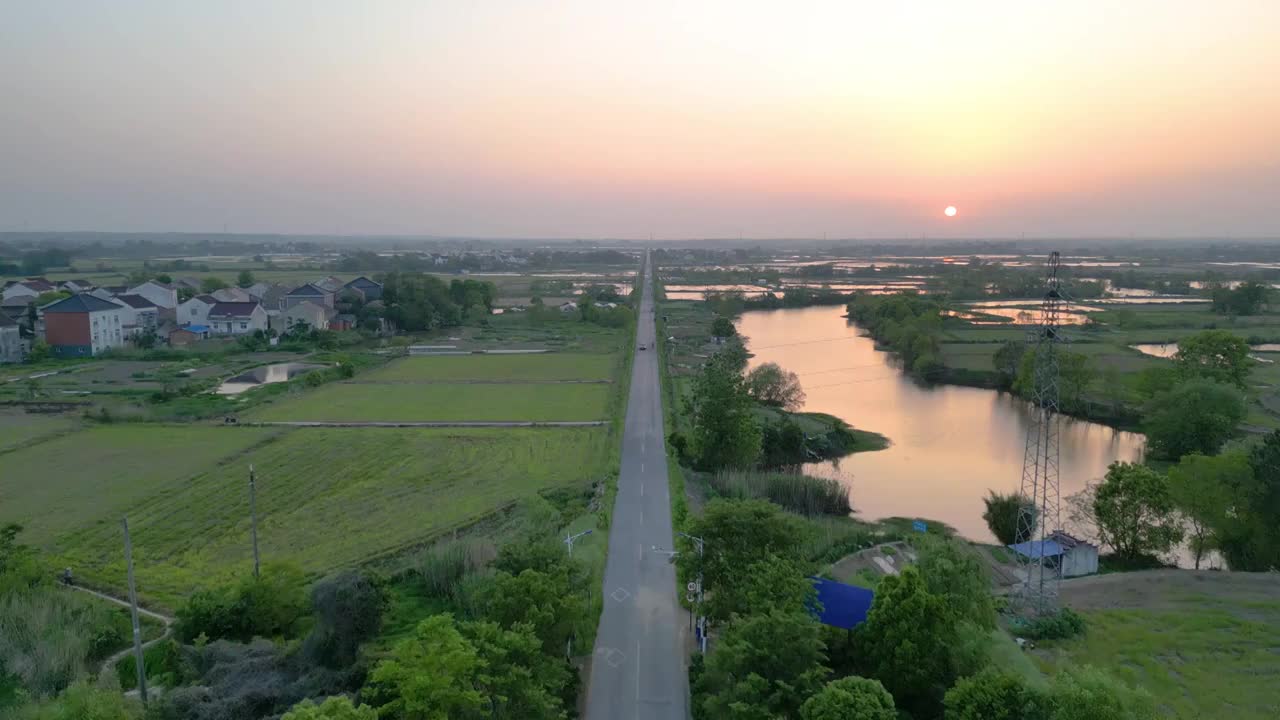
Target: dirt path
x=163 y=619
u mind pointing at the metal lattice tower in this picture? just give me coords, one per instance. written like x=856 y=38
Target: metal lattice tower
x=1040 y=518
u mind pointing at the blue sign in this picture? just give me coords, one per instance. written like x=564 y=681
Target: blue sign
x=919 y=526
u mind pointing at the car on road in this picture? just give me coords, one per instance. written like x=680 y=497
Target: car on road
x=642 y=347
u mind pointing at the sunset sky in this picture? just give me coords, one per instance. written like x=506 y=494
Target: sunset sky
x=621 y=119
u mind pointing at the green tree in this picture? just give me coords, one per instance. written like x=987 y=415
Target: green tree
x=737 y=534
x=764 y=667
x=1250 y=539
x=722 y=327
x=850 y=698
x=769 y=384
x=771 y=583
x=469 y=671
x=1196 y=416
x=907 y=643
x=1008 y=360
x=83 y=702
x=1215 y=355
x=1002 y=515
x=245 y=279
x=547 y=602
x=431 y=675
x=725 y=430
x=1075 y=373
x=348 y=611
x=268 y=606
x=211 y=284
x=1201 y=488
x=995 y=695
x=1088 y=693
x=1134 y=512
x=333 y=708
x=956 y=573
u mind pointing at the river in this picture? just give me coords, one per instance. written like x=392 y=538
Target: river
x=950 y=444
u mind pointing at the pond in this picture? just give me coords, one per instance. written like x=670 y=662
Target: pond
x=264 y=375
x=950 y=444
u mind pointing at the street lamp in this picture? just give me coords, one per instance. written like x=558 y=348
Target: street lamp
x=702 y=621
x=570 y=539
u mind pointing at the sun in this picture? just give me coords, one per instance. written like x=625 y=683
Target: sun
x=950 y=211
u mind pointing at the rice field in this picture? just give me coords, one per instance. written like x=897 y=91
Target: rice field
x=513 y=368
x=444 y=402
x=19 y=429
x=326 y=497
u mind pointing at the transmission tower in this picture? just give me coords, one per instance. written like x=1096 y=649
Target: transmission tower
x=1039 y=518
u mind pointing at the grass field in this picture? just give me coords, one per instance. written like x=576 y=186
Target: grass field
x=18 y=429
x=550 y=366
x=407 y=402
x=97 y=475
x=1203 y=643
x=327 y=497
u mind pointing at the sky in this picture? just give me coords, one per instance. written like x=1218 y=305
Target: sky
x=841 y=119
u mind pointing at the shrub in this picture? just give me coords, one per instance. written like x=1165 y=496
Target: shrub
x=269 y=606
x=348 y=608
x=1002 y=515
x=1061 y=625
x=442 y=567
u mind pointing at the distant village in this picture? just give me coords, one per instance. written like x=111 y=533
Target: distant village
x=92 y=320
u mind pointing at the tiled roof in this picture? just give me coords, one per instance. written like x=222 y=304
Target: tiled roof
x=233 y=309
x=83 y=302
x=136 y=301
x=309 y=289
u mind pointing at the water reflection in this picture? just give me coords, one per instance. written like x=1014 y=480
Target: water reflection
x=950 y=444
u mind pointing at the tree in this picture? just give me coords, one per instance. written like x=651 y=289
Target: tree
x=764 y=666
x=1215 y=355
x=1088 y=693
x=348 y=610
x=907 y=643
x=955 y=573
x=850 y=698
x=211 y=284
x=469 y=671
x=1250 y=537
x=1134 y=512
x=245 y=279
x=1196 y=416
x=995 y=695
x=333 y=708
x=146 y=339
x=771 y=583
x=736 y=534
x=1002 y=515
x=1075 y=373
x=84 y=702
x=722 y=327
x=1201 y=488
x=268 y=606
x=769 y=384
x=725 y=431
x=547 y=602
x=1008 y=360
x=1246 y=299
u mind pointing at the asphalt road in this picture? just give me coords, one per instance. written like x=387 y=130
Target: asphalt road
x=638 y=669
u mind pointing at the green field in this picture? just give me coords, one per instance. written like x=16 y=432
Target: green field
x=327 y=497
x=549 y=366
x=17 y=428
x=357 y=402
x=1204 y=644
x=97 y=475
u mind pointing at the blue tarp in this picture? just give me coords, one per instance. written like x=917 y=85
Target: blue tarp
x=1036 y=549
x=843 y=606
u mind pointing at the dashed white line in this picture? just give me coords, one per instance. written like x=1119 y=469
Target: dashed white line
x=637 y=671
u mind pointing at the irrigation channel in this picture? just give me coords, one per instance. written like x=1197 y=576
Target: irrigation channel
x=950 y=444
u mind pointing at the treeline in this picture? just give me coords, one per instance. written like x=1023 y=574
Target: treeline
x=908 y=324
x=35 y=262
x=1248 y=298
x=416 y=301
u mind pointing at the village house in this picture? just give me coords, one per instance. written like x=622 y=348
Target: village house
x=195 y=311
x=236 y=318
x=84 y=325
x=143 y=314
x=76 y=286
x=314 y=316
x=187 y=335
x=33 y=287
x=11 y=345
x=164 y=296
x=271 y=296
x=369 y=289
x=1071 y=556
x=308 y=293
x=232 y=294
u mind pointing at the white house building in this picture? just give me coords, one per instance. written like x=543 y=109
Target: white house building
x=195 y=311
x=315 y=316
x=237 y=318
x=164 y=296
x=143 y=314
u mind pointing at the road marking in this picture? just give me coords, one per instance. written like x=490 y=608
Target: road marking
x=642 y=467
x=641 y=489
x=637 y=671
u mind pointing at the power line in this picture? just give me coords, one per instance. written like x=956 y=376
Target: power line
x=807 y=342
x=854 y=382
x=841 y=369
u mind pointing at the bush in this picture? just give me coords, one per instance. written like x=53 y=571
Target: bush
x=1002 y=515
x=1061 y=625
x=164 y=665
x=270 y=606
x=995 y=695
x=348 y=608
x=442 y=567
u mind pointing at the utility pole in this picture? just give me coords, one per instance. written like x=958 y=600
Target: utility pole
x=253 y=519
x=702 y=625
x=133 y=606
